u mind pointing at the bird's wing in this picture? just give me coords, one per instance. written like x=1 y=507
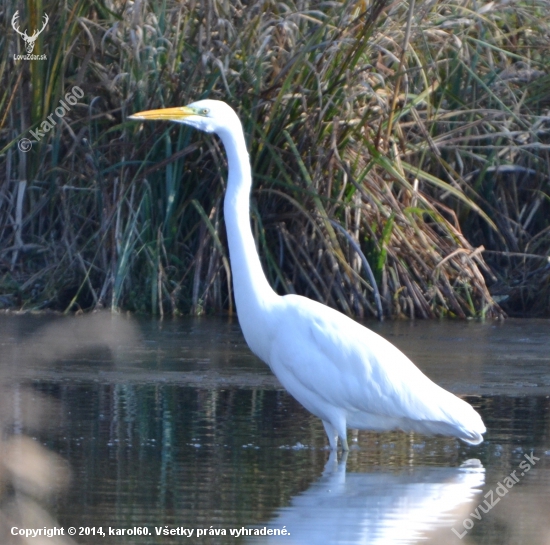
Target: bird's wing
x=349 y=366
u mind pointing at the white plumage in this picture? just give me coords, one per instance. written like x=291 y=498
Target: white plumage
x=342 y=372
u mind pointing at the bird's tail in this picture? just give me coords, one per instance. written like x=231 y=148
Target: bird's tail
x=455 y=418
x=472 y=437
x=467 y=423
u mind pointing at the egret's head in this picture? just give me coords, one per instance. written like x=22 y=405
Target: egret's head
x=205 y=115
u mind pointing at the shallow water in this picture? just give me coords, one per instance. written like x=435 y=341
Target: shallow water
x=175 y=425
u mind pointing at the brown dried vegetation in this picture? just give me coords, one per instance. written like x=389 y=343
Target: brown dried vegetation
x=421 y=130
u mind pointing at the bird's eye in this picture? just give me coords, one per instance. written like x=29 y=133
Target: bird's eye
x=205 y=111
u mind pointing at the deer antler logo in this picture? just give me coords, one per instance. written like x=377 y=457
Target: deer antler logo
x=29 y=40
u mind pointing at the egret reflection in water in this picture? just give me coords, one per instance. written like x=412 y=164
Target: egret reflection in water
x=410 y=506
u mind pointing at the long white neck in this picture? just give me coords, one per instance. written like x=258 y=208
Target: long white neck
x=253 y=294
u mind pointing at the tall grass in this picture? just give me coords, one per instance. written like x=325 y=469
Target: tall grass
x=428 y=147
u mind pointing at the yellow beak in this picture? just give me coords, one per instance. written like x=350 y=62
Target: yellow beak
x=168 y=114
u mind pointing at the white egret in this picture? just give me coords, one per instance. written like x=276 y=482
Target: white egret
x=339 y=370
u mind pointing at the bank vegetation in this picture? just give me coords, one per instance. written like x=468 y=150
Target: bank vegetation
x=414 y=138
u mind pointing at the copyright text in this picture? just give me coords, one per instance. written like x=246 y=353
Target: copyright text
x=146 y=531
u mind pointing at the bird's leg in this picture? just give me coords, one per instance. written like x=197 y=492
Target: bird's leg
x=332 y=435
x=343 y=461
x=344 y=441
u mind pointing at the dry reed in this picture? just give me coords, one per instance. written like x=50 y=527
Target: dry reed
x=413 y=130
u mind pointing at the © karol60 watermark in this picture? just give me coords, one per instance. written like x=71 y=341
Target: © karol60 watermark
x=494 y=496
x=70 y=99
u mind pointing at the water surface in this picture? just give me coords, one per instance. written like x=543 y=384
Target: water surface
x=176 y=425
